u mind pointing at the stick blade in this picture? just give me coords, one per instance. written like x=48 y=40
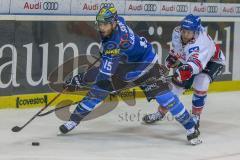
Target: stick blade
x=16 y=129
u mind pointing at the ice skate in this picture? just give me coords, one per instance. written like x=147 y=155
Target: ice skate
x=194 y=138
x=67 y=127
x=152 y=118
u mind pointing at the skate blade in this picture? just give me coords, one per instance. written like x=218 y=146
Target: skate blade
x=59 y=133
x=195 y=141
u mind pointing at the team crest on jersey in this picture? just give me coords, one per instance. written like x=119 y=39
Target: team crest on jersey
x=194 y=49
x=125 y=42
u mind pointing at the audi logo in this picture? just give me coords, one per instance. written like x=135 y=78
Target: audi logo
x=150 y=7
x=182 y=8
x=212 y=9
x=237 y=9
x=50 y=5
x=106 y=5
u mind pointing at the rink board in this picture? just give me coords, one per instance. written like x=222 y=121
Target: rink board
x=38 y=100
x=34 y=51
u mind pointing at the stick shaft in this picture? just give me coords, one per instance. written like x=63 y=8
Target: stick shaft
x=33 y=117
x=167 y=78
x=55 y=109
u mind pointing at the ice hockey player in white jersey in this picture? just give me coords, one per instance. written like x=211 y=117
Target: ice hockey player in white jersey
x=197 y=61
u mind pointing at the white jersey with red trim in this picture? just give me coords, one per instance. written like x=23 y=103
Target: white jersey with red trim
x=198 y=52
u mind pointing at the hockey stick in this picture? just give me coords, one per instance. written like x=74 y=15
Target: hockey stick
x=163 y=78
x=17 y=128
x=87 y=87
x=166 y=79
x=56 y=109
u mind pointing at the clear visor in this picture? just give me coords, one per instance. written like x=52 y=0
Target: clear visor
x=98 y=23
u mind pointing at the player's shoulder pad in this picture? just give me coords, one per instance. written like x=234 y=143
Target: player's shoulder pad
x=121 y=20
x=122 y=25
x=127 y=38
x=176 y=33
x=177 y=29
x=176 y=37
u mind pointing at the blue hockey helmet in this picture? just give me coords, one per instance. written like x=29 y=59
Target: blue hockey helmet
x=107 y=15
x=191 y=22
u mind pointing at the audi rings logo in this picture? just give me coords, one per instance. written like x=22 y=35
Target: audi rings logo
x=237 y=9
x=50 y=5
x=106 y=5
x=182 y=8
x=150 y=7
x=212 y=9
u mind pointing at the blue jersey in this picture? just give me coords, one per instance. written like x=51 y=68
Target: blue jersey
x=124 y=44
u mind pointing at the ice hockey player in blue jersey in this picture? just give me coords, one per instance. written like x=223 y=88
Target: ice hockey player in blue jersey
x=120 y=46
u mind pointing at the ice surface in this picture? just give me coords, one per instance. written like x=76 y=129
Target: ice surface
x=120 y=135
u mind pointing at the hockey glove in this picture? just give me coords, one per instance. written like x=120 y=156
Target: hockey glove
x=183 y=73
x=171 y=61
x=76 y=81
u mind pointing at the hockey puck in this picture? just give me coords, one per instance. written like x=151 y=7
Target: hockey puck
x=35 y=143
